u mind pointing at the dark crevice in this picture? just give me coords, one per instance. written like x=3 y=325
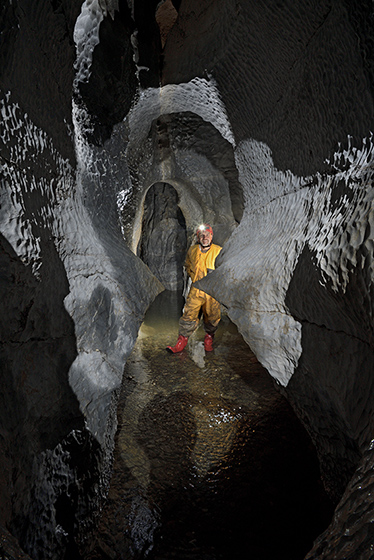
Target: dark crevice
x=163 y=240
x=112 y=84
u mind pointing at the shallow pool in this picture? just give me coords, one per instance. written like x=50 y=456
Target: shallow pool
x=210 y=462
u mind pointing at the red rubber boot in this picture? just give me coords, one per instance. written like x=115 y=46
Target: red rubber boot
x=180 y=345
x=208 y=342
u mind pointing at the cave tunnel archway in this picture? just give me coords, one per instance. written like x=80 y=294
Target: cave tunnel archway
x=163 y=242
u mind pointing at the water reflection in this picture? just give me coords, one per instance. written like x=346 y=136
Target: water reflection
x=210 y=461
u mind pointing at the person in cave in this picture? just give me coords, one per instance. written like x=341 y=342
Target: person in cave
x=200 y=260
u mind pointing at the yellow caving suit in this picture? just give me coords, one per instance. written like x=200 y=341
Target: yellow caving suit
x=197 y=265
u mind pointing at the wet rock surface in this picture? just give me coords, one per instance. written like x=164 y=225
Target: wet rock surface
x=210 y=460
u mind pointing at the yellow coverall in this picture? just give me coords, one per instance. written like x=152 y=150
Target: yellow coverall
x=198 y=265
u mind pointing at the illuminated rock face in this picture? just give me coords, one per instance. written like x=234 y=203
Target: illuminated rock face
x=270 y=145
x=72 y=293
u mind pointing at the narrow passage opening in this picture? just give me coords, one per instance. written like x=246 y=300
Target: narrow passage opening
x=163 y=243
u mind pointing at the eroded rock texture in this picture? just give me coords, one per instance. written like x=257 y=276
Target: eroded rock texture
x=68 y=320
x=350 y=534
x=259 y=115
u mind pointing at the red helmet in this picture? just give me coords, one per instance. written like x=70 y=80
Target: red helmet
x=204 y=227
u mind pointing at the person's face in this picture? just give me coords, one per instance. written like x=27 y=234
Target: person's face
x=205 y=238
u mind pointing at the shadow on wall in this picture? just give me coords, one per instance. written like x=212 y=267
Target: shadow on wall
x=38 y=409
x=163 y=243
x=336 y=336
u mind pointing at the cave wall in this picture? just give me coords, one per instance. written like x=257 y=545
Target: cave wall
x=273 y=146
x=307 y=197
x=296 y=275
x=191 y=150
x=72 y=294
x=295 y=77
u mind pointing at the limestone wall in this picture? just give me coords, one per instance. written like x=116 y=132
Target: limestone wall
x=260 y=116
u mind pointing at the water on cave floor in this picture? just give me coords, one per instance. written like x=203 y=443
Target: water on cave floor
x=210 y=461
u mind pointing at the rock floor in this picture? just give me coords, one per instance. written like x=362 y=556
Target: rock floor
x=210 y=461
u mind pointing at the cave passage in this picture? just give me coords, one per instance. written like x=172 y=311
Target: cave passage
x=163 y=243
x=210 y=461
